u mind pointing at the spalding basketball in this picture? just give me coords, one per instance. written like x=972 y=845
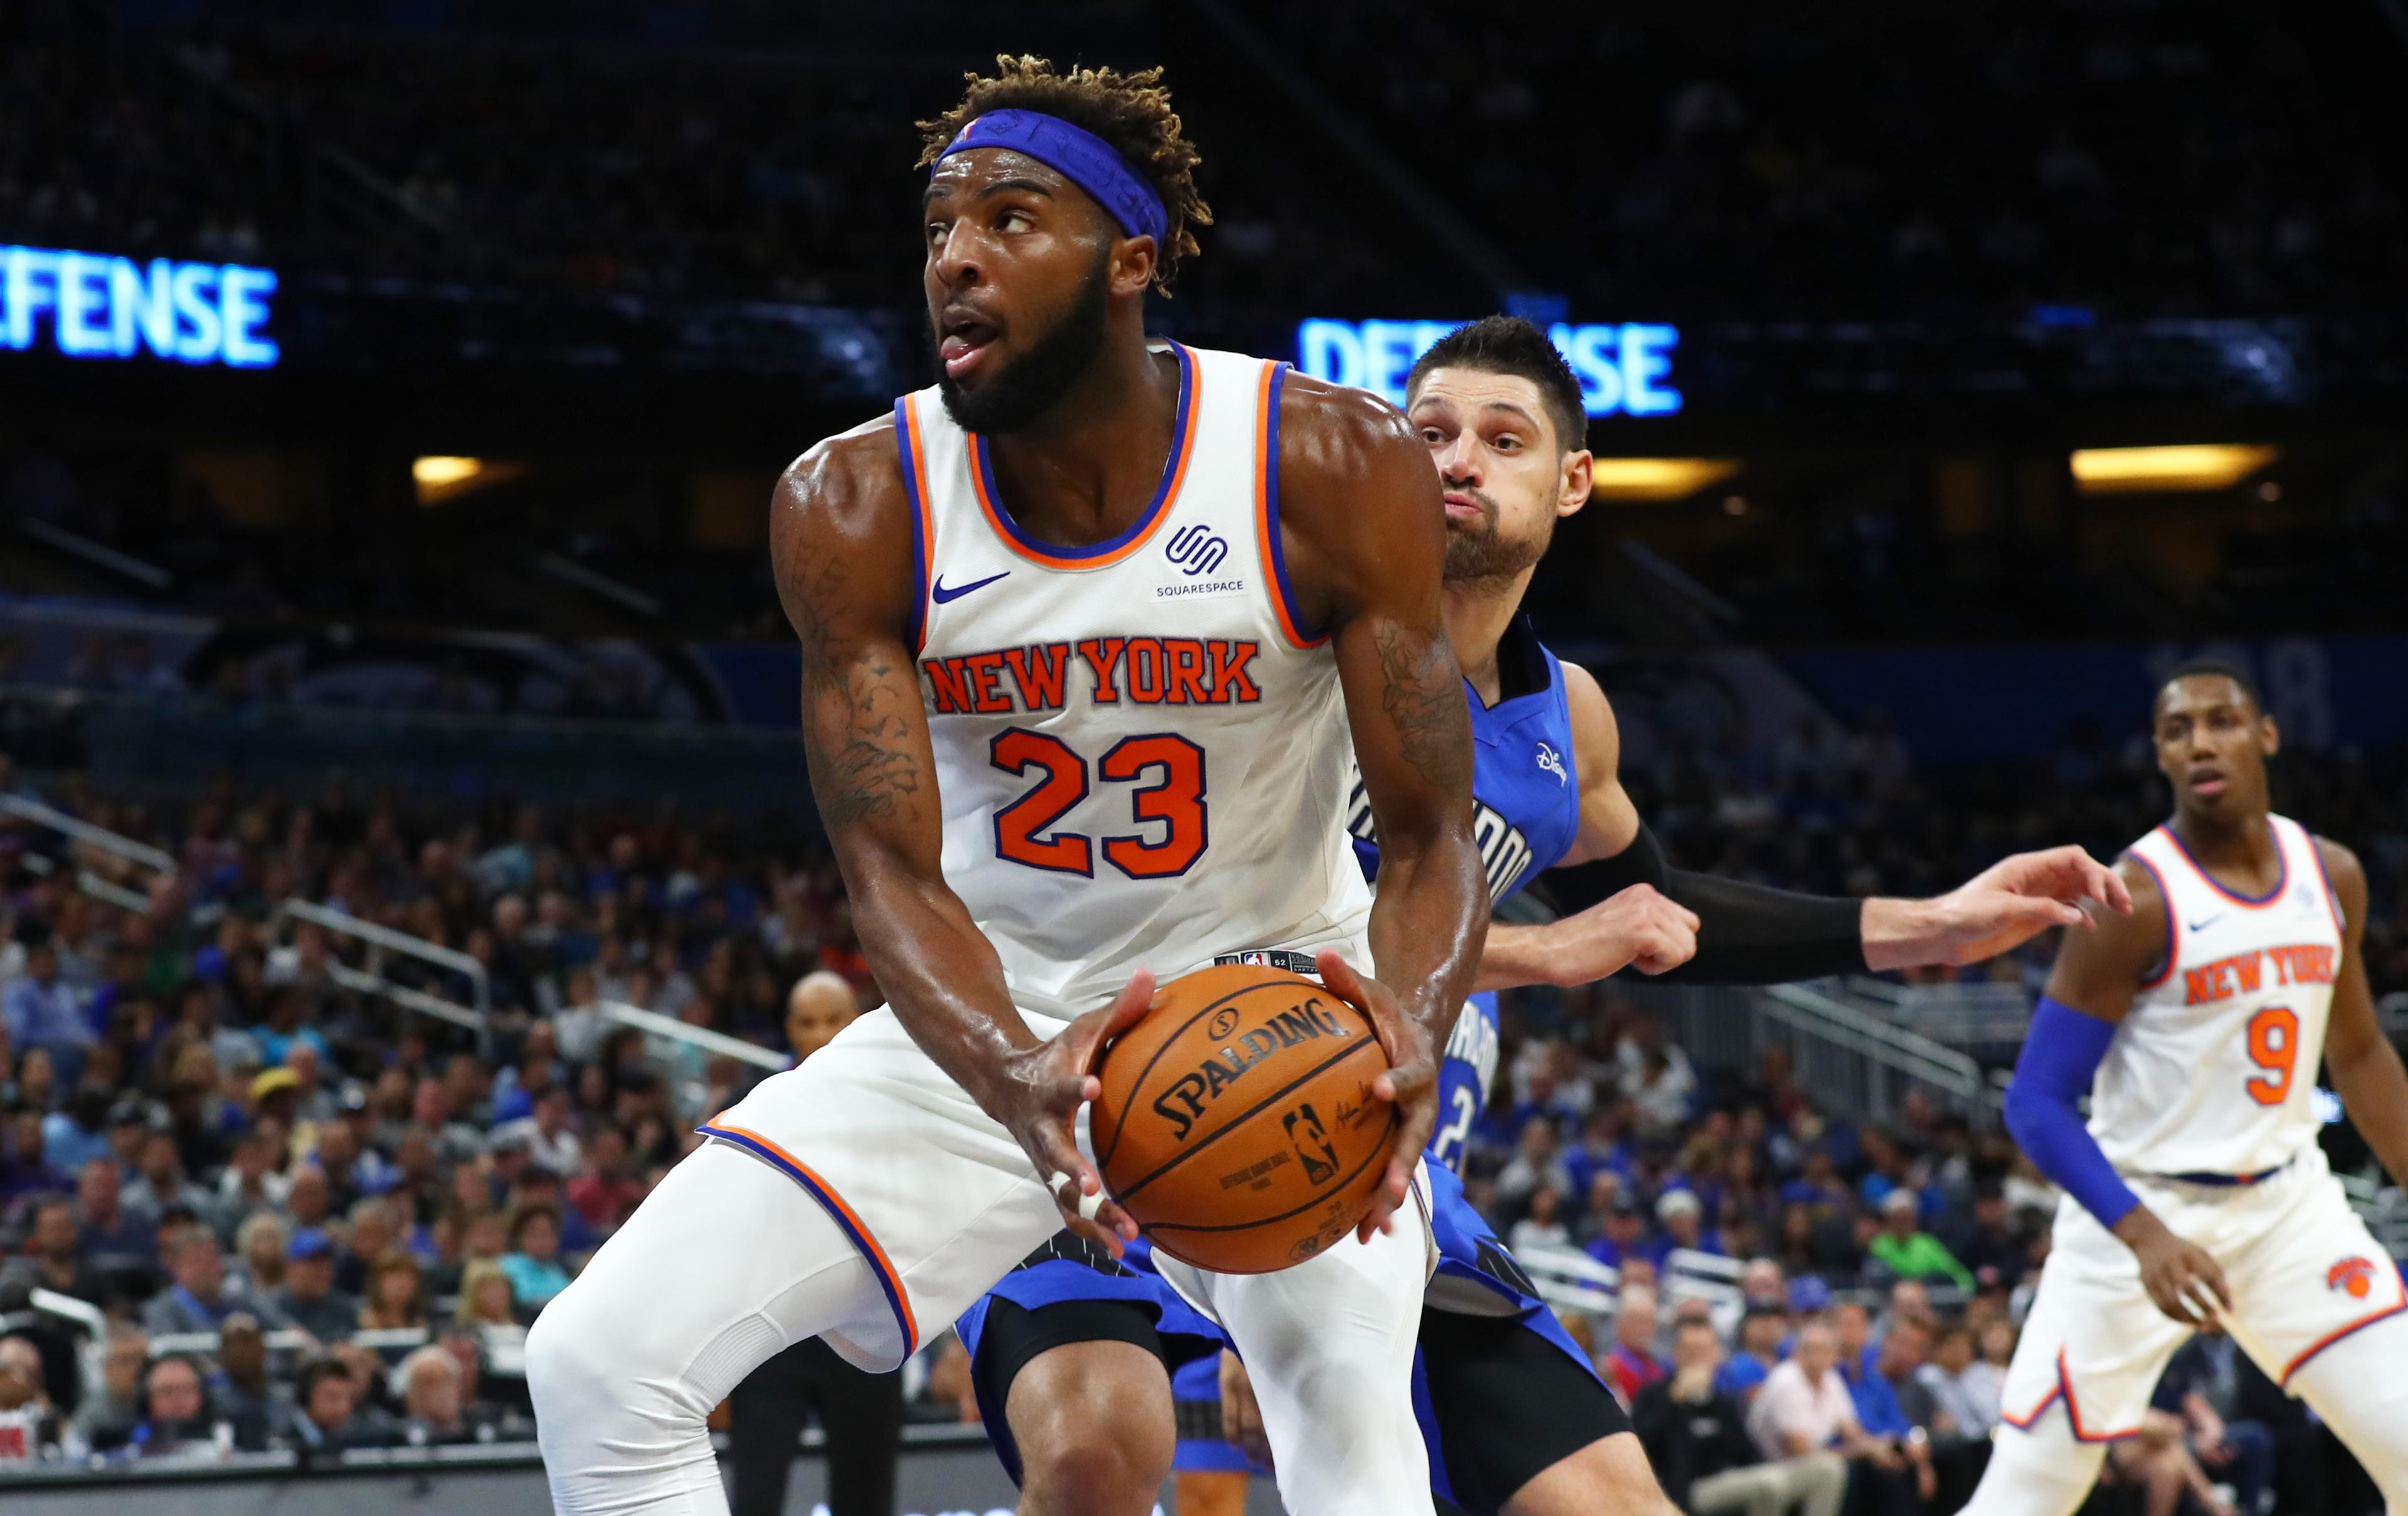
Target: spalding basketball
x=1236 y=1124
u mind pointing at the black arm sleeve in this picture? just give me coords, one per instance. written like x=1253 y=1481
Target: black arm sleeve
x=1747 y=934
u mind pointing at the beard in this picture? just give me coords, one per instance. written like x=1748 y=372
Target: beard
x=1480 y=553
x=1016 y=395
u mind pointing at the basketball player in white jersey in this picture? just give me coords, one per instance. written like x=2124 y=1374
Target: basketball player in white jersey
x=2196 y=1025
x=1089 y=631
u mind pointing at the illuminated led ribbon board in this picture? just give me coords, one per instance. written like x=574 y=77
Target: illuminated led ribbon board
x=1624 y=371
x=96 y=305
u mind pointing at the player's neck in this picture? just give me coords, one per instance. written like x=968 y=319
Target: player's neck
x=1081 y=471
x=2245 y=844
x=1477 y=612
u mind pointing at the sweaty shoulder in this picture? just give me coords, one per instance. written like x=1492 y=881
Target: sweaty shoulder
x=2100 y=970
x=1358 y=498
x=842 y=511
x=1596 y=740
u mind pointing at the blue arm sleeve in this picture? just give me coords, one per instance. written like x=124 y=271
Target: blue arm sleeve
x=2061 y=1057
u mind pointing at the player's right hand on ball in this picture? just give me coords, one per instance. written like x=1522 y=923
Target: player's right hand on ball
x=1640 y=925
x=2182 y=1279
x=1039 y=1107
x=1410 y=1083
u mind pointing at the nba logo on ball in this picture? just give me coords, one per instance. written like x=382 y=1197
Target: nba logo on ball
x=1236 y=1122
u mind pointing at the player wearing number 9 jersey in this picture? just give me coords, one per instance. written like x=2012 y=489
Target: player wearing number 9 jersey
x=2196 y=1026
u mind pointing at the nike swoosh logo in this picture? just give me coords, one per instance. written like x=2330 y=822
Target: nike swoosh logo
x=2202 y=925
x=942 y=595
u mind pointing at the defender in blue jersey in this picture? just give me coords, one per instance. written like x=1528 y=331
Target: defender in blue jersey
x=1073 y=1361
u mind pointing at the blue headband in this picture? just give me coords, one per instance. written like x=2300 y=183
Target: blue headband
x=1078 y=155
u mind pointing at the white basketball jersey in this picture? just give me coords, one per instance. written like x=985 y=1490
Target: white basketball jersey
x=1141 y=753
x=2214 y=1070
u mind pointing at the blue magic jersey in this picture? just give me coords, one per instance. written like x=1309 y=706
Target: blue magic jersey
x=1525 y=795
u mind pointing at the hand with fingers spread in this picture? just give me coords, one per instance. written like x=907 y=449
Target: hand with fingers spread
x=1038 y=1100
x=2183 y=1280
x=2005 y=905
x=1410 y=1083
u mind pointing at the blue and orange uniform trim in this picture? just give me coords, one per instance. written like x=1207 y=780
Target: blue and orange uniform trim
x=2165 y=904
x=923 y=528
x=1266 y=515
x=1099 y=554
x=2063 y=1389
x=2254 y=903
x=2381 y=1314
x=847 y=1220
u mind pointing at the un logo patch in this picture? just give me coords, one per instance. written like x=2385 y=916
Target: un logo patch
x=1196 y=550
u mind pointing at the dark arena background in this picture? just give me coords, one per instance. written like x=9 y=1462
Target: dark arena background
x=404 y=836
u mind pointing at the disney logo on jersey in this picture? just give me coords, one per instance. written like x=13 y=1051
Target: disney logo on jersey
x=1504 y=852
x=1552 y=762
x=1106 y=670
x=1196 y=550
x=1182 y=1104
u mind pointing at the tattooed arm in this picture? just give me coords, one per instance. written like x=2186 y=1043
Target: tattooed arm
x=1364 y=535
x=839 y=543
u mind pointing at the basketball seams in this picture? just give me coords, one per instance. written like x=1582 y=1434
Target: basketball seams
x=1238 y=1121
x=1103 y=1157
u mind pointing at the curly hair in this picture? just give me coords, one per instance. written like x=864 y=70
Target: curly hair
x=1131 y=111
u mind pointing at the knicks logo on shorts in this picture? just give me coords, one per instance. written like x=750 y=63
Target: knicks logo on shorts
x=2351 y=1277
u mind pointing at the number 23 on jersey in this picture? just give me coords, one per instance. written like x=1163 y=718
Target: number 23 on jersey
x=1167 y=804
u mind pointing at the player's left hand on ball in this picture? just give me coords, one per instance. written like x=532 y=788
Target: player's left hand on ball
x=2004 y=906
x=1050 y=1083
x=1410 y=1083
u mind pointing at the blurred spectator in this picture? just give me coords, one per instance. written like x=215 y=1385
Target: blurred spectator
x=174 y=1412
x=2202 y=1386
x=396 y=1295
x=1804 y=1408
x=1909 y=1253
x=310 y=1299
x=533 y=1263
x=263 y=1248
x=1963 y=1388
x=245 y=1398
x=28 y=1422
x=52 y=1261
x=326 y=1415
x=1544 y=1227
x=1697 y=1442
x=433 y=1400
x=1625 y=1231
x=200 y=1299
x=160 y=1183
x=1683 y=1218
x=1761 y=1332
x=604 y=1194
x=109 y=1411
x=1631 y=1364
x=43 y=1011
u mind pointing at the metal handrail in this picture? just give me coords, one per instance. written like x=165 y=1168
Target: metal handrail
x=362 y=982
x=398 y=942
x=84 y=831
x=702 y=1038
x=1884 y=1041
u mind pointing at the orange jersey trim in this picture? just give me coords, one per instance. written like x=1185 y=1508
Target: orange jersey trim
x=843 y=1215
x=1106 y=554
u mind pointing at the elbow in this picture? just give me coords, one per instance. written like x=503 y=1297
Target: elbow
x=2026 y=1111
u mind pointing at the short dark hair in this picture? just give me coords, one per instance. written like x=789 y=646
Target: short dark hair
x=316 y=1369
x=2213 y=668
x=1131 y=111
x=1510 y=345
